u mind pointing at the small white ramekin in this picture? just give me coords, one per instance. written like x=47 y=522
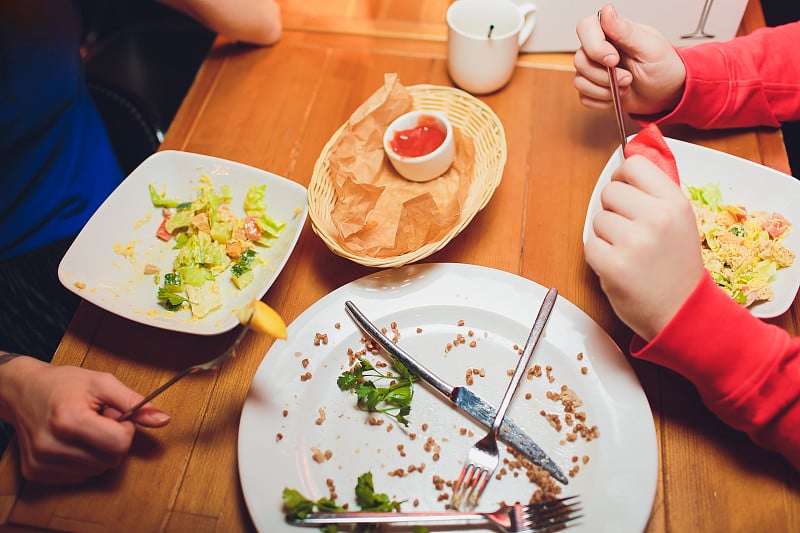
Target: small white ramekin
x=425 y=167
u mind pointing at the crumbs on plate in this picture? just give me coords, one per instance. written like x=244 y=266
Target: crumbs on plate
x=569 y=419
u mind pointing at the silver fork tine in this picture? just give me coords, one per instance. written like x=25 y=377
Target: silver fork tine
x=550 y=515
x=554 y=526
x=473 y=479
x=551 y=508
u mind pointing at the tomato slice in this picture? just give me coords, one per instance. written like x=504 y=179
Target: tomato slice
x=162 y=232
x=776 y=225
x=251 y=229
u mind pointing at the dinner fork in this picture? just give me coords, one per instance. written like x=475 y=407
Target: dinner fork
x=210 y=365
x=484 y=456
x=536 y=517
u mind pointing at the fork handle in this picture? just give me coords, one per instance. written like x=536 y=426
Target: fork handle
x=316 y=519
x=214 y=363
x=127 y=414
x=533 y=339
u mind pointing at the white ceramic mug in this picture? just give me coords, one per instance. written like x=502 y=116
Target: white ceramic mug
x=483 y=41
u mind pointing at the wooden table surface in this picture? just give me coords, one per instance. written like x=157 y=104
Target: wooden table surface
x=275 y=108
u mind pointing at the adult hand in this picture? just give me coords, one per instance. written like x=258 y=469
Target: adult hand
x=65 y=419
x=650 y=73
x=646 y=249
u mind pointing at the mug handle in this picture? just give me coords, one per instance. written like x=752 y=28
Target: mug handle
x=528 y=12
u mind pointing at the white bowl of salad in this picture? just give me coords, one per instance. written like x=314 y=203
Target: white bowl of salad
x=766 y=201
x=185 y=241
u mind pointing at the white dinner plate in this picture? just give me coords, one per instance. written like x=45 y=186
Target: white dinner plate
x=741 y=182
x=93 y=269
x=286 y=416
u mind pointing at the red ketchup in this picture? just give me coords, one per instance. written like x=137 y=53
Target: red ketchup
x=420 y=140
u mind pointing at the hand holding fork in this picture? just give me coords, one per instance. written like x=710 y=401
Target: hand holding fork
x=483 y=457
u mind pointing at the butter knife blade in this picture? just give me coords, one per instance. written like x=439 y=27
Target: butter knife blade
x=462 y=397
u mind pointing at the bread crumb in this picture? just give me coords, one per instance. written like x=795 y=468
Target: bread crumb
x=319 y=456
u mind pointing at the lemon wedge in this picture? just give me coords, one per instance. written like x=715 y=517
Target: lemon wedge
x=263 y=318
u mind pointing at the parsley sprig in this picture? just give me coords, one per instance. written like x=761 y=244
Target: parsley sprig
x=171 y=299
x=295 y=505
x=393 y=400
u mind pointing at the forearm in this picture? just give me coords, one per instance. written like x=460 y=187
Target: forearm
x=747 y=371
x=753 y=80
x=252 y=21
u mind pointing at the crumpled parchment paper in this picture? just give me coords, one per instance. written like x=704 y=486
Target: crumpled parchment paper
x=377 y=212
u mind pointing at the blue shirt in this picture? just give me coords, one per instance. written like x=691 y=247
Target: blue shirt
x=56 y=161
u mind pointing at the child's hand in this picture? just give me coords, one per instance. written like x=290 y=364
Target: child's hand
x=647 y=249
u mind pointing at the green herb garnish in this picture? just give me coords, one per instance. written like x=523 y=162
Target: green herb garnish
x=369 y=500
x=393 y=400
x=297 y=506
x=172 y=301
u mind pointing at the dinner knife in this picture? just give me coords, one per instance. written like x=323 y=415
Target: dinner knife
x=462 y=397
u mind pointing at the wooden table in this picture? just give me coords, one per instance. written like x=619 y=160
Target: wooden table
x=274 y=108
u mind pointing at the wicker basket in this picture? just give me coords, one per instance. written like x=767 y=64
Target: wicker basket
x=475 y=120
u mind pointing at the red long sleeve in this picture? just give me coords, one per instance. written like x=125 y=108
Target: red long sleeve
x=746 y=371
x=752 y=80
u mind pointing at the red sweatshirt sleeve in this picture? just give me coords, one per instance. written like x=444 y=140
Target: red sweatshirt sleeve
x=746 y=371
x=753 y=80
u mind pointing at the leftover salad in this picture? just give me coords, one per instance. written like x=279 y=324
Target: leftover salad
x=741 y=250
x=211 y=240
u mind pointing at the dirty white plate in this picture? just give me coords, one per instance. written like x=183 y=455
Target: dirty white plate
x=294 y=406
x=95 y=271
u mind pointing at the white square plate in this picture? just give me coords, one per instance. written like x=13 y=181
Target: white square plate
x=93 y=270
x=741 y=182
